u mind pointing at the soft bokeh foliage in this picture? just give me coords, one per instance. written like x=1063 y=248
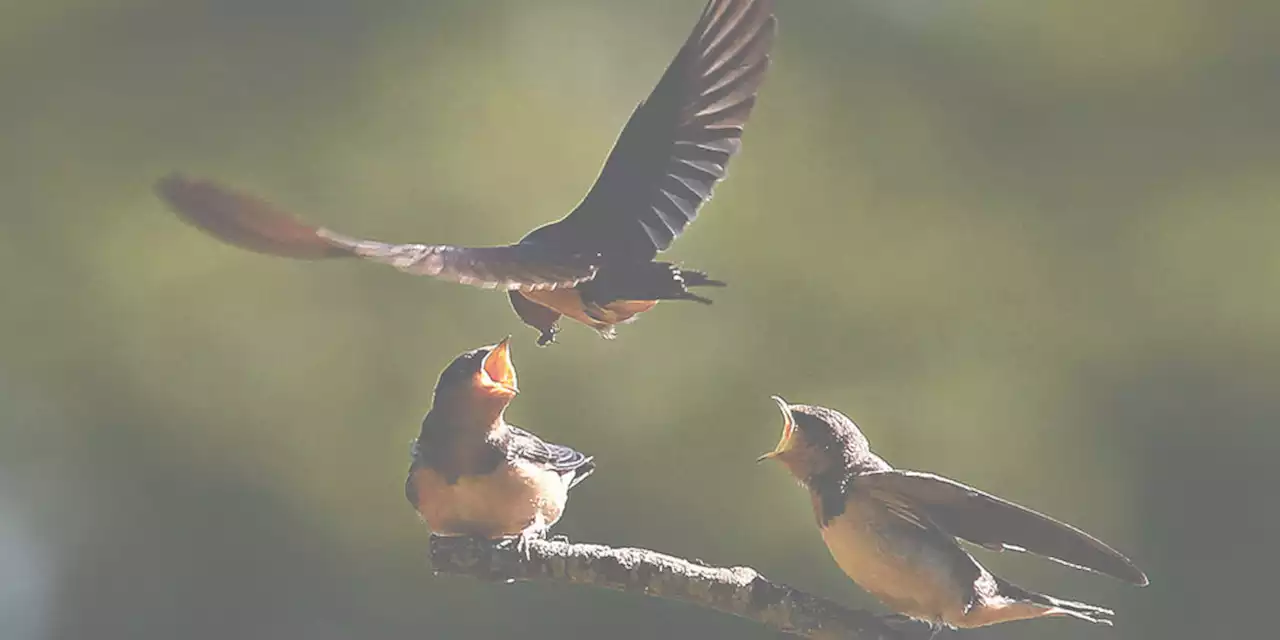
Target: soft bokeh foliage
x=1032 y=246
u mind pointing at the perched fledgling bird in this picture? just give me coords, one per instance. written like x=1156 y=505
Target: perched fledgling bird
x=894 y=532
x=596 y=265
x=475 y=475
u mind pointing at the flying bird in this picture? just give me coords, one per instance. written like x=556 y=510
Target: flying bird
x=895 y=532
x=597 y=265
x=472 y=474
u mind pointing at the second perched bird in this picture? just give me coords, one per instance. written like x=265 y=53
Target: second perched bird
x=894 y=532
x=595 y=265
x=474 y=474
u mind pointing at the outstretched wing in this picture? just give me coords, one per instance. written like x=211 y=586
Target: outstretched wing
x=250 y=223
x=562 y=459
x=678 y=142
x=994 y=523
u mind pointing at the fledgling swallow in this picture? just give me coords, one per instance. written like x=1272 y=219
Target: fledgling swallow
x=597 y=264
x=473 y=474
x=895 y=532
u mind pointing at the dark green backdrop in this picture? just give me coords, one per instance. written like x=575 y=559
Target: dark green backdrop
x=1028 y=245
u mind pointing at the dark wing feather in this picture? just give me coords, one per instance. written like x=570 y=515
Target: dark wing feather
x=994 y=523
x=564 y=460
x=678 y=142
x=250 y=223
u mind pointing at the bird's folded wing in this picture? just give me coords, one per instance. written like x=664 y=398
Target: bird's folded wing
x=250 y=223
x=527 y=446
x=678 y=142
x=992 y=522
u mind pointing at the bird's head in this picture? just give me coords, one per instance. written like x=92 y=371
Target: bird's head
x=483 y=376
x=816 y=440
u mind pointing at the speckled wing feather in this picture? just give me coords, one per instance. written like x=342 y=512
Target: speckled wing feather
x=981 y=518
x=678 y=142
x=250 y=223
x=564 y=460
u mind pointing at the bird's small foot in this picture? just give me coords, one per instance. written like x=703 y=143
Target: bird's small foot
x=548 y=336
x=560 y=537
x=526 y=537
x=935 y=628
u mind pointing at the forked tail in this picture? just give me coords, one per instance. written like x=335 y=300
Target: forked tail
x=1057 y=606
x=647 y=281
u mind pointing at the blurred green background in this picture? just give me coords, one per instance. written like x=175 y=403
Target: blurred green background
x=1028 y=245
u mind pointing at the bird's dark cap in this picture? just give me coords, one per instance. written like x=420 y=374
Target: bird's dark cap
x=825 y=430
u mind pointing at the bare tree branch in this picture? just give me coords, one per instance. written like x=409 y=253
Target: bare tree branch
x=741 y=591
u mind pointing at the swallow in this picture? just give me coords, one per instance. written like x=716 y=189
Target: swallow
x=597 y=264
x=895 y=532
x=472 y=474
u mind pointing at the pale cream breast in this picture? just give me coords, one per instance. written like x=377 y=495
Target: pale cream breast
x=887 y=557
x=505 y=502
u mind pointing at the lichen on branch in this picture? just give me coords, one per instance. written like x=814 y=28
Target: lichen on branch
x=740 y=591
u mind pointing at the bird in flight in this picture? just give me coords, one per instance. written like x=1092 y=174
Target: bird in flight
x=597 y=265
x=895 y=532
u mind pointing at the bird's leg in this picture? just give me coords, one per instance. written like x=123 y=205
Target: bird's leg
x=548 y=335
x=535 y=315
x=535 y=531
x=935 y=627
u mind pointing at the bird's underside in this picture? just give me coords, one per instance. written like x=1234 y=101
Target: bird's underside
x=597 y=264
x=616 y=295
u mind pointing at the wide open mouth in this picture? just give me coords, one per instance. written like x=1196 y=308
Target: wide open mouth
x=788 y=429
x=497 y=372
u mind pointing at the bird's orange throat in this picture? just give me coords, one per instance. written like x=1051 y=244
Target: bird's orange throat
x=497 y=374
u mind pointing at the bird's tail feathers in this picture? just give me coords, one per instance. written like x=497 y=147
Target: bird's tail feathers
x=578 y=475
x=1080 y=610
x=649 y=281
x=1057 y=606
x=700 y=279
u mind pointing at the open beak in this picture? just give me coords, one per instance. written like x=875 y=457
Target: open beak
x=497 y=372
x=788 y=427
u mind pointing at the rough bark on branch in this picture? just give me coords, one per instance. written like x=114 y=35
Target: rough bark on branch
x=741 y=591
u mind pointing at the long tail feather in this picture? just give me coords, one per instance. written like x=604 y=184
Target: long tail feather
x=648 y=281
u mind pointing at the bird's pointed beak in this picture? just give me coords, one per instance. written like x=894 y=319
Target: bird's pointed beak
x=788 y=428
x=497 y=372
